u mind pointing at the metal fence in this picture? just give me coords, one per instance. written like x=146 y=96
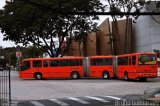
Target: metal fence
x=5 y=88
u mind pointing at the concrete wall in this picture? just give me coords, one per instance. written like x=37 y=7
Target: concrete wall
x=147 y=33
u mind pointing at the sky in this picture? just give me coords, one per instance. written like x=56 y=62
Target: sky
x=4 y=43
x=11 y=44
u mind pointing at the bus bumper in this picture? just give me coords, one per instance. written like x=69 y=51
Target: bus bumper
x=146 y=75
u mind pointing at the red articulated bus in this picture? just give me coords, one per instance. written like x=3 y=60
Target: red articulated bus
x=137 y=65
x=127 y=66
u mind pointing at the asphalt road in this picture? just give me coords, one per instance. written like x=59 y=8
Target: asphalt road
x=116 y=100
x=64 y=88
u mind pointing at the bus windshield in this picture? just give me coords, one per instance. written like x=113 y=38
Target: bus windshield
x=25 y=65
x=147 y=59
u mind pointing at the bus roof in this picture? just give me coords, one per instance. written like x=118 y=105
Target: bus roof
x=136 y=54
x=57 y=58
x=109 y=56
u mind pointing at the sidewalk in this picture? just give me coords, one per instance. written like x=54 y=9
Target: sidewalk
x=152 y=95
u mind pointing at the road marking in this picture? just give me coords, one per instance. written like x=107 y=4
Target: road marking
x=113 y=97
x=37 y=103
x=59 y=102
x=98 y=99
x=79 y=100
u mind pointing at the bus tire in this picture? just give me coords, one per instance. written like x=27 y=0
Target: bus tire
x=38 y=76
x=74 y=75
x=126 y=76
x=105 y=75
x=143 y=79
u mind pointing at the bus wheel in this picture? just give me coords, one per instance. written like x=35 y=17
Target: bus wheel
x=74 y=75
x=126 y=76
x=143 y=79
x=105 y=75
x=38 y=76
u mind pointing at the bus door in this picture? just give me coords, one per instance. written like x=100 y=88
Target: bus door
x=54 y=68
x=46 y=69
x=93 y=67
x=37 y=66
x=130 y=68
x=76 y=65
x=63 y=70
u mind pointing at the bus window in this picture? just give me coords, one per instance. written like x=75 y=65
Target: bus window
x=74 y=62
x=101 y=61
x=133 y=60
x=147 y=59
x=26 y=65
x=94 y=62
x=37 y=63
x=45 y=63
x=80 y=62
x=107 y=61
x=130 y=60
x=123 y=61
x=53 y=63
x=158 y=63
x=63 y=63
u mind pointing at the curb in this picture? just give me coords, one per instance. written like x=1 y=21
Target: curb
x=151 y=94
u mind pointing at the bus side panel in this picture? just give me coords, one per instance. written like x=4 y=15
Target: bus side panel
x=26 y=74
x=101 y=69
x=79 y=69
x=97 y=69
x=46 y=72
x=131 y=71
x=61 y=72
x=120 y=69
x=53 y=72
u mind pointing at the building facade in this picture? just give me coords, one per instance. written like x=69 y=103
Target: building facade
x=147 y=32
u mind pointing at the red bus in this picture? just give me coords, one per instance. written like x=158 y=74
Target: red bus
x=137 y=65
x=40 y=68
x=158 y=67
x=127 y=66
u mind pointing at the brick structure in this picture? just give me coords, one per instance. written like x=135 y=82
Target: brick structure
x=122 y=38
x=91 y=48
x=103 y=38
x=101 y=43
x=76 y=49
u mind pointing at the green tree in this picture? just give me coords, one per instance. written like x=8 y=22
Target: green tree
x=39 y=22
x=31 y=52
x=125 y=6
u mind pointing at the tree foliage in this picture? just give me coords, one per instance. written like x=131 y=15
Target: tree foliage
x=125 y=6
x=31 y=21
